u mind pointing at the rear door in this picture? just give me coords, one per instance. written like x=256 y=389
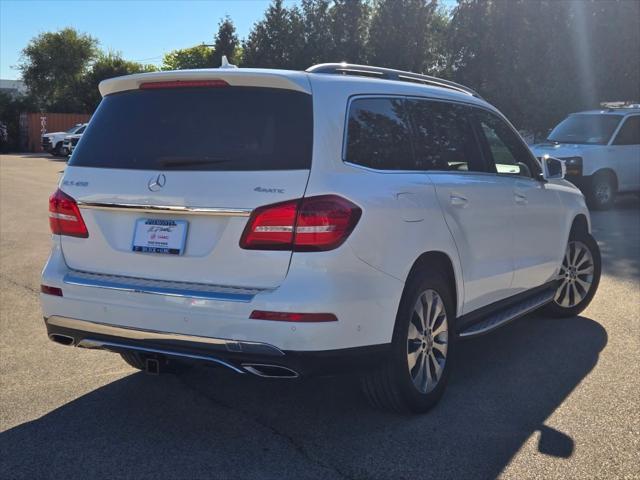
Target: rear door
x=478 y=206
x=186 y=166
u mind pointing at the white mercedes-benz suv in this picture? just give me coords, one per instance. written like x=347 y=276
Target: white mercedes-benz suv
x=286 y=224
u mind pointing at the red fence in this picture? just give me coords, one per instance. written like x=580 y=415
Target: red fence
x=34 y=125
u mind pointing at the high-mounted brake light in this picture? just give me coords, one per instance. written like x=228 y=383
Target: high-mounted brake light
x=65 y=217
x=293 y=317
x=309 y=224
x=183 y=84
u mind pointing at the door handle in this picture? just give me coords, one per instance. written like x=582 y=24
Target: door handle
x=458 y=200
x=521 y=198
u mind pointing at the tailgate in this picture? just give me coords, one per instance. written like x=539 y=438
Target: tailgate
x=198 y=160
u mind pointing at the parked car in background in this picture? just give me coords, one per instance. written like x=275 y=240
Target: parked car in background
x=4 y=136
x=312 y=222
x=69 y=143
x=601 y=149
x=53 y=142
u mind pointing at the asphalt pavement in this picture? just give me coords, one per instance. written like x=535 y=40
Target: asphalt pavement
x=540 y=398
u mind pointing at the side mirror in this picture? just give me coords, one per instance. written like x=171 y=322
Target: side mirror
x=553 y=168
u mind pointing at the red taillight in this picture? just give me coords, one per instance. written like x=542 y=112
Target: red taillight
x=309 y=224
x=64 y=216
x=183 y=84
x=51 y=290
x=293 y=317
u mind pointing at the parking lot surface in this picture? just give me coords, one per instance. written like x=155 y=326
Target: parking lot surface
x=540 y=398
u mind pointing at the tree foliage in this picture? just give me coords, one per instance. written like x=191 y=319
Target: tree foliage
x=226 y=42
x=536 y=60
x=349 y=30
x=277 y=41
x=199 y=56
x=53 y=66
x=400 y=34
x=107 y=65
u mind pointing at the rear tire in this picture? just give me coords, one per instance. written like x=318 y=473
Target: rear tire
x=414 y=378
x=580 y=274
x=602 y=191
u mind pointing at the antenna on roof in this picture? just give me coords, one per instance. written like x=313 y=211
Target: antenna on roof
x=226 y=64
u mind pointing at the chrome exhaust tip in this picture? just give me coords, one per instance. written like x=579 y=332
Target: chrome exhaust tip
x=62 y=339
x=270 y=371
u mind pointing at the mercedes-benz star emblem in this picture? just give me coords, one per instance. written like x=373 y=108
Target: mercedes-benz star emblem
x=156 y=183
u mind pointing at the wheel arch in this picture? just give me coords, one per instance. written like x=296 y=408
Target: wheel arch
x=441 y=261
x=580 y=224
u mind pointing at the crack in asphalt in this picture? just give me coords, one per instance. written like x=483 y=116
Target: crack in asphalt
x=16 y=284
x=297 y=446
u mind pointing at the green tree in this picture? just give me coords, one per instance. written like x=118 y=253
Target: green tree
x=277 y=41
x=538 y=60
x=107 y=65
x=226 y=42
x=199 y=56
x=349 y=28
x=401 y=34
x=318 y=38
x=53 y=66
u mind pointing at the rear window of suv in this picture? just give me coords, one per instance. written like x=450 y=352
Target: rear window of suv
x=225 y=128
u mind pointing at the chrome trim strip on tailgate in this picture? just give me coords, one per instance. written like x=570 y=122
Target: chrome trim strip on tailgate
x=172 y=209
x=221 y=344
x=160 y=287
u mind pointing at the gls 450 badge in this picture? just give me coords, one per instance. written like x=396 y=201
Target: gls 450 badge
x=72 y=183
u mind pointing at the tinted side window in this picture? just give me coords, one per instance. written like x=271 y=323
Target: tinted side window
x=629 y=134
x=506 y=153
x=444 y=138
x=378 y=134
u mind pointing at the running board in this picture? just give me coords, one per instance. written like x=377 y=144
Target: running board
x=502 y=317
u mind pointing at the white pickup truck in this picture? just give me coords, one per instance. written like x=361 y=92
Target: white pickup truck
x=53 y=142
x=601 y=149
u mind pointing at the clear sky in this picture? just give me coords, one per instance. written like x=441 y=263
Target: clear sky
x=142 y=30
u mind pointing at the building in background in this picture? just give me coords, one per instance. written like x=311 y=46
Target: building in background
x=13 y=87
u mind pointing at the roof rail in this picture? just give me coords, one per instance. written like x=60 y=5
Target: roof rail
x=388 y=74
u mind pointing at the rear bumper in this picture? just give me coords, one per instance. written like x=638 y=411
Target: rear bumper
x=364 y=300
x=238 y=356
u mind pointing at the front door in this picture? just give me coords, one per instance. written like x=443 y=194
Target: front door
x=537 y=219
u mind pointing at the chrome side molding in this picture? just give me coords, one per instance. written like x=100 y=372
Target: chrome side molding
x=172 y=209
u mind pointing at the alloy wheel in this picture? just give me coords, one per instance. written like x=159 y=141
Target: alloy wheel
x=576 y=274
x=427 y=341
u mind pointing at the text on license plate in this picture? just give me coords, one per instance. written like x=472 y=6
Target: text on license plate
x=159 y=236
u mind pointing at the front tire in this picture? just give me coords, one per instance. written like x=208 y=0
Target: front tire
x=602 y=193
x=56 y=150
x=580 y=276
x=423 y=342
